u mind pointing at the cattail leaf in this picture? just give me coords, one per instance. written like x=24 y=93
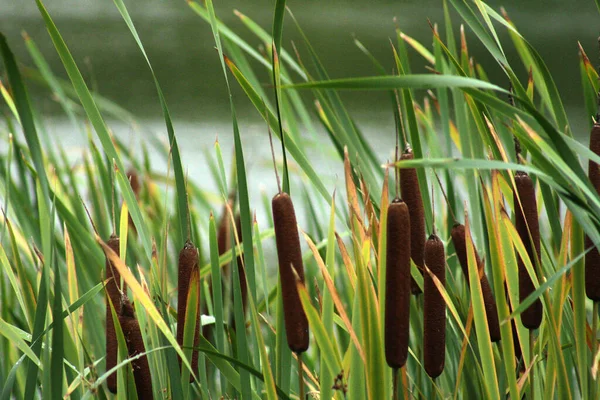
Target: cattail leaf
x=415 y=81
x=123 y=229
x=481 y=320
x=216 y=283
x=181 y=192
x=96 y=120
x=328 y=350
x=335 y=296
x=10 y=102
x=541 y=75
x=351 y=273
x=291 y=146
x=327 y=312
x=267 y=374
x=23 y=108
x=9 y=273
x=12 y=333
x=190 y=326
x=142 y=298
x=226 y=257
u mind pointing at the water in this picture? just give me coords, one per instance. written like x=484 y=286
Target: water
x=181 y=49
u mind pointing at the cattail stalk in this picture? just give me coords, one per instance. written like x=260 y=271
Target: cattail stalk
x=411 y=194
x=290 y=260
x=397 y=292
x=113 y=295
x=434 y=309
x=188 y=262
x=527 y=225
x=135 y=346
x=592 y=258
x=491 y=310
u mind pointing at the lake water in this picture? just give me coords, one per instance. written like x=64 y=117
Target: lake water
x=181 y=49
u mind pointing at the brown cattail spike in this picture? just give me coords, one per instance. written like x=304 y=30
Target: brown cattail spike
x=134 y=181
x=135 y=346
x=411 y=194
x=592 y=258
x=290 y=256
x=188 y=262
x=113 y=292
x=397 y=284
x=526 y=223
x=491 y=311
x=434 y=309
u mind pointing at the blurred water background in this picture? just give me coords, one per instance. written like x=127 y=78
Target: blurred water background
x=181 y=48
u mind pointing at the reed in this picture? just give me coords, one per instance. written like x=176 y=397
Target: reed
x=188 y=262
x=290 y=266
x=434 y=309
x=113 y=293
x=411 y=194
x=397 y=292
x=491 y=310
x=135 y=346
x=526 y=223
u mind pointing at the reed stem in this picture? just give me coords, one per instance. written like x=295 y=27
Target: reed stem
x=594 y=384
x=300 y=377
x=395 y=384
x=532 y=372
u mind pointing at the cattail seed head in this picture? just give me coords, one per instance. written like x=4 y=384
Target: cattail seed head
x=134 y=181
x=397 y=292
x=290 y=256
x=460 y=246
x=411 y=194
x=526 y=223
x=113 y=294
x=188 y=262
x=592 y=258
x=434 y=308
x=135 y=346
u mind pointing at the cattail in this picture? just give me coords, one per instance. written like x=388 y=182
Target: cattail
x=113 y=293
x=290 y=256
x=411 y=194
x=135 y=346
x=491 y=311
x=526 y=225
x=434 y=309
x=134 y=181
x=223 y=239
x=592 y=258
x=397 y=285
x=188 y=262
